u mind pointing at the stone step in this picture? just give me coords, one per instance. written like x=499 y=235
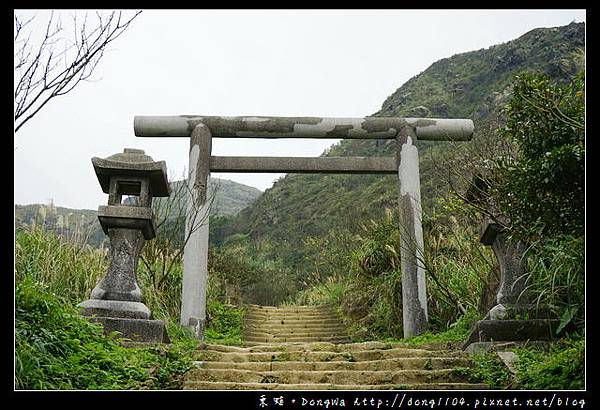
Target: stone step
x=292 y=333
x=324 y=356
x=287 y=339
x=432 y=363
x=259 y=344
x=328 y=377
x=274 y=330
x=203 y=385
x=293 y=322
x=295 y=318
x=296 y=324
x=301 y=309
x=319 y=346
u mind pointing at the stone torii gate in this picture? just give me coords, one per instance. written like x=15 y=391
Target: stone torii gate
x=201 y=130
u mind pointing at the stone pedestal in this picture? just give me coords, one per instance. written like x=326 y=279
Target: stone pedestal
x=117 y=301
x=138 y=330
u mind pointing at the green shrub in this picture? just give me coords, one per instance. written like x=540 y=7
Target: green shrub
x=329 y=292
x=557 y=277
x=489 y=369
x=225 y=324
x=459 y=271
x=543 y=188
x=163 y=295
x=55 y=348
x=562 y=368
x=457 y=332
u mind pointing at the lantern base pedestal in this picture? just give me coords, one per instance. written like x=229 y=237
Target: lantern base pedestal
x=512 y=330
x=138 y=330
x=115 y=308
x=510 y=322
x=132 y=319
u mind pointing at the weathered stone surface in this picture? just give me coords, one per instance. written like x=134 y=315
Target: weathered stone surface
x=510 y=255
x=414 y=297
x=317 y=366
x=117 y=301
x=132 y=163
x=523 y=312
x=510 y=360
x=304 y=127
x=202 y=385
x=274 y=325
x=322 y=165
x=512 y=330
x=483 y=347
x=195 y=253
x=127 y=217
x=138 y=330
x=115 y=308
x=512 y=319
x=120 y=281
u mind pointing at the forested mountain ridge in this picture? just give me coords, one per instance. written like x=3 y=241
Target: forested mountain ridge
x=82 y=224
x=472 y=85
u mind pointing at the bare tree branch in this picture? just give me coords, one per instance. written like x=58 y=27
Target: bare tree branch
x=57 y=64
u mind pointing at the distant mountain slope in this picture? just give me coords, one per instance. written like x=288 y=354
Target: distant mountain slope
x=229 y=199
x=468 y=85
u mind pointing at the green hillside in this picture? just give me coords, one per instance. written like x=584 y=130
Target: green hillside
x=468 y=85
x=82 y=224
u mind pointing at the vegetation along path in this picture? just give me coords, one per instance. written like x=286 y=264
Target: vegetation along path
x=307 y=348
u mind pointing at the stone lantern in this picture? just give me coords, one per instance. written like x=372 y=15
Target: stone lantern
x=512 y=319
x=131 y=179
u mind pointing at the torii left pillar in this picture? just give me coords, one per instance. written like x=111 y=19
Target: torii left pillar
x=195 y=254
x=414 y=294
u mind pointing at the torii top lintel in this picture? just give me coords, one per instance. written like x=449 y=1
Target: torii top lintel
x=432 y=129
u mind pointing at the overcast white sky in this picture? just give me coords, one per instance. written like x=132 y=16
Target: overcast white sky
x=331 y=63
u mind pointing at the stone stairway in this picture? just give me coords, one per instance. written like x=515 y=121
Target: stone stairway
x=269 y=324
x=306 y=348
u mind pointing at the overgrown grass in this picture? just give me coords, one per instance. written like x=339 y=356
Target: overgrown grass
x=457 y=331
x=557 y=267
x=365 y=281
x=225 y=324
x=58 y=349
x=562 y=368
x=329 y=292
x=489 y=369
x=67 y=268
x=163 y=295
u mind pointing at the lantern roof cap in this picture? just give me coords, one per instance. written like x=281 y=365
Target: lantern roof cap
x=133 y=163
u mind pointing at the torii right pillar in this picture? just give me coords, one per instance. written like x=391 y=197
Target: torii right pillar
x=414 y=295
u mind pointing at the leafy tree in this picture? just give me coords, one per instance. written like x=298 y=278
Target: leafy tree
x=542 y=189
